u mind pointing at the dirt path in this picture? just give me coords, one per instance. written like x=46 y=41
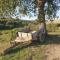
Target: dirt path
x=53 y=52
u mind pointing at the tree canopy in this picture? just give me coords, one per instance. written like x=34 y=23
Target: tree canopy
x=7 y=7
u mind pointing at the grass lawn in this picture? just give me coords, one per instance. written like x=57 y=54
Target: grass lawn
x=29 y=53
x=33 y=52
x=54 y=33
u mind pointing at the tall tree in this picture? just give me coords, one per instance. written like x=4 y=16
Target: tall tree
x=50 y=10
x=27 y=6
x=41 y=14
x=6 y=7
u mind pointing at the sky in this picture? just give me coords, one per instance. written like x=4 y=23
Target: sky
x=58 y=14
x=25 y=17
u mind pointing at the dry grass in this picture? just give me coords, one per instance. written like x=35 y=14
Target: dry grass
x=30 y=52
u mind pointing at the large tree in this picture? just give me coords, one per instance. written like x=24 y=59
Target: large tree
x=7 y=7
x=50 y=9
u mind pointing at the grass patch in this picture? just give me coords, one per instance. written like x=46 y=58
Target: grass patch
x=19 y=54
x=34 y=52
x=54 y=33
x=26 y=54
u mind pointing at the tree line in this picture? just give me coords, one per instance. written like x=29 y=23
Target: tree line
x=8 y=23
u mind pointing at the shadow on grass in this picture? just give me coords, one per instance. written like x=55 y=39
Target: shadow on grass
x=51 y=39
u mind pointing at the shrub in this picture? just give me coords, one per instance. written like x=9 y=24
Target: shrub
x=10 y=23
x=51 y=27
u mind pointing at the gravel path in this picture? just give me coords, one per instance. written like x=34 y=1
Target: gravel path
x=53 y=52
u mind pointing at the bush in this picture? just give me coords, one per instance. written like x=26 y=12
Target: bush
x=10 y=23
x=51 y=27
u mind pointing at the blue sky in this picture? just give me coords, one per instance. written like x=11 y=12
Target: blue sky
x=24 y=17
x=58 y=13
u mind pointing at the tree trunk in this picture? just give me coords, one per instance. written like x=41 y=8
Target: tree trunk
x=41 y=15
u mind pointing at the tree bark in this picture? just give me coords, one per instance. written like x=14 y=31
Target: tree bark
x=41 y=14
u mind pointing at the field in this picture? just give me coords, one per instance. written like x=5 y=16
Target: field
x=19 y=53
x=34 y=51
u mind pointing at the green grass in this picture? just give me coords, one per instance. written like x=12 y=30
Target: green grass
x=18 y=53
x=34 y=52
x=5 y=37
x=54 y=33
x=25 y=54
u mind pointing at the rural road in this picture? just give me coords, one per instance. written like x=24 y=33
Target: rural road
x=53 y=52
